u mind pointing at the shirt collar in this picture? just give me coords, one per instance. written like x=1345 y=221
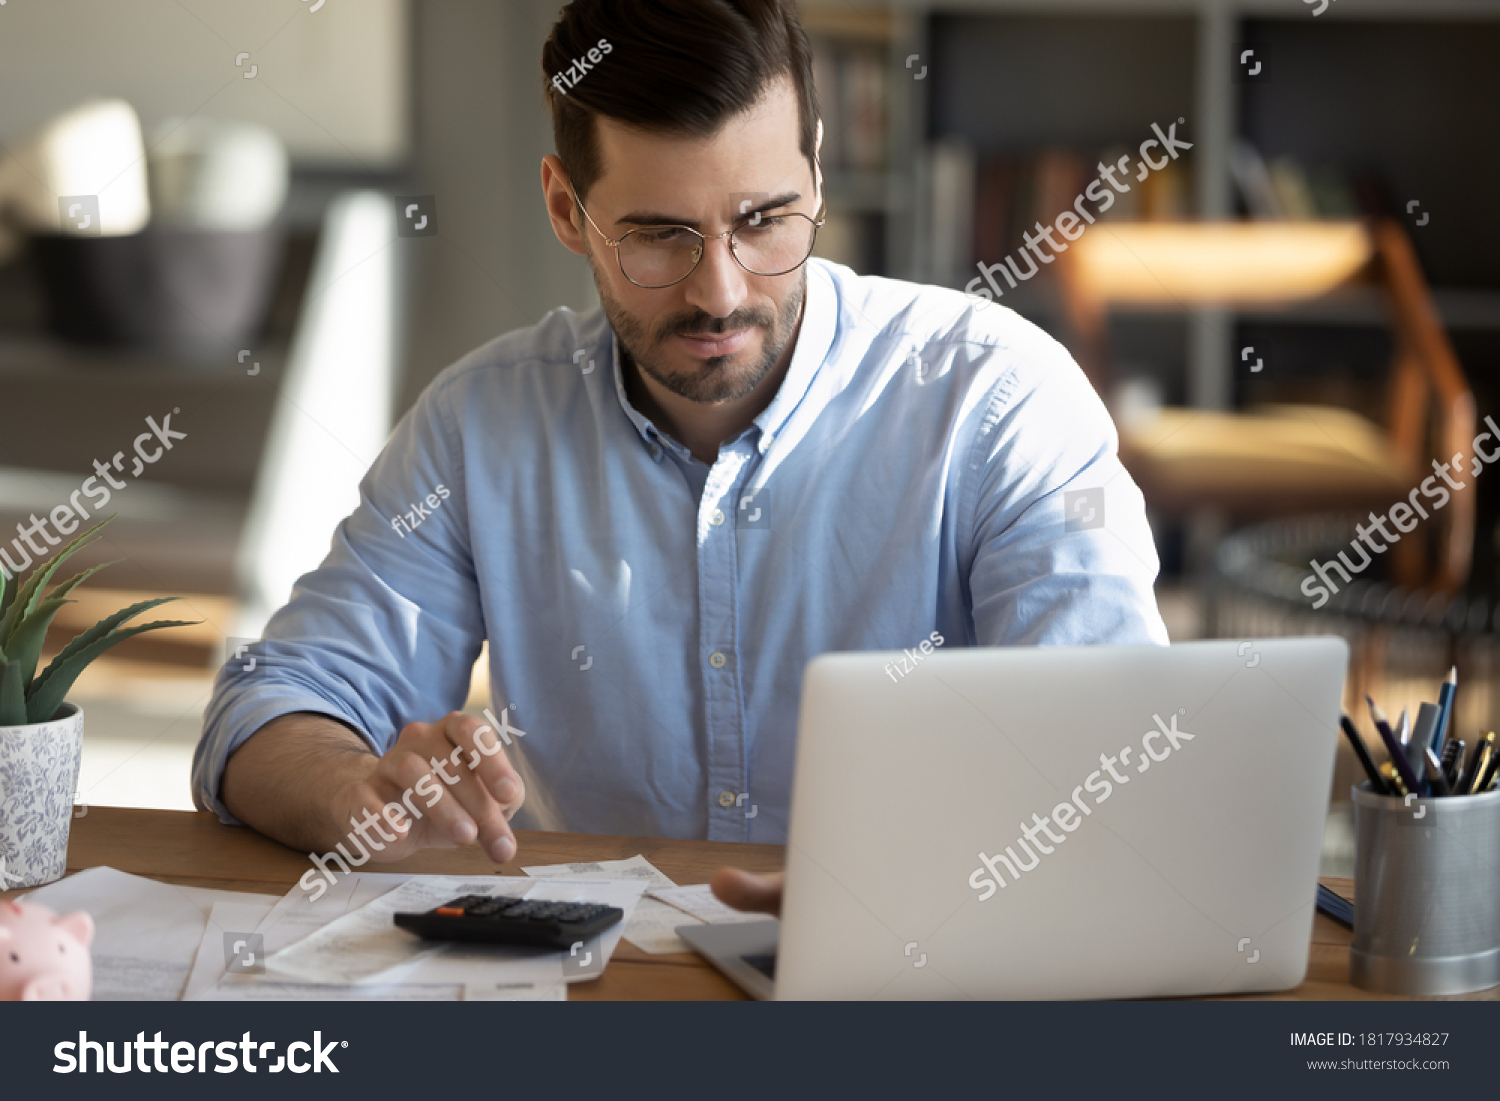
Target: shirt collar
x=654 y=439
x=814 y=338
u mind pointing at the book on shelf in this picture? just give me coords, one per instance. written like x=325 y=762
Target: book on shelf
x=952 y=178
x=853 y=83
x=1007 y=193
x=1285 y=188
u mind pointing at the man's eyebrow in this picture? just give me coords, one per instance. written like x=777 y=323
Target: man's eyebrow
x=654 y=218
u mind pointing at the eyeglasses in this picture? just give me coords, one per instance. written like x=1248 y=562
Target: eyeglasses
x=654 y=257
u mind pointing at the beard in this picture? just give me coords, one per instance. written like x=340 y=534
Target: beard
x=717 y=378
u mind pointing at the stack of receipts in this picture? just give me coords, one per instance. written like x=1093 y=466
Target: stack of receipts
x=652 y=927
x=161 y=942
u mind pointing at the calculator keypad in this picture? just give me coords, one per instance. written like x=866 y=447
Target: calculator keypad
x=519 y=921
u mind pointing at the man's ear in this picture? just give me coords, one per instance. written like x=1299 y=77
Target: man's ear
x=818 y=160
x=558 y=196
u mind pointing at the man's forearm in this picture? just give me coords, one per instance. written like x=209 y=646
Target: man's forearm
x=287 y=779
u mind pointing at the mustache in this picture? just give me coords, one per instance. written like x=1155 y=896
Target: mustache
x=703 y=323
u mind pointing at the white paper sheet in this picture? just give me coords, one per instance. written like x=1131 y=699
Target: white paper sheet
x=232 y=920
x=146 y=933
x=635 y=867
x=329 y=992
x=440 y=979
x=699 y=901
x=652 y=925
x=366 y=945
x=516 y=992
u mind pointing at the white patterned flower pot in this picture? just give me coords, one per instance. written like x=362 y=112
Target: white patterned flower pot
x=38 y=779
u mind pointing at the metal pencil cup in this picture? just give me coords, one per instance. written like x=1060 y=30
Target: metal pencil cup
x=1426 y=893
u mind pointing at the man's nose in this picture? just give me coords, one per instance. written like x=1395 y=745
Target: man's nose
x=718 y=285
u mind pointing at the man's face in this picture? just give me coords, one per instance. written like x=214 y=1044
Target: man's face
x=714 y=336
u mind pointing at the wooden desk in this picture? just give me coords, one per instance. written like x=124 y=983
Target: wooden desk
x=194 y=849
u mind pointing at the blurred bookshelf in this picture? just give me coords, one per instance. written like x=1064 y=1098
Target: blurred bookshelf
x=989 y=115
x=852 y=55
x=1369 y=107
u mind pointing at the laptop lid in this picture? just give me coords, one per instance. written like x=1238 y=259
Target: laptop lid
x=1082 y=822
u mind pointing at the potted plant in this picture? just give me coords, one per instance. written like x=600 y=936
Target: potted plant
x=41 y=734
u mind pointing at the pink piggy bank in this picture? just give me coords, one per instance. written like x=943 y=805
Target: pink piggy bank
x=43 y=957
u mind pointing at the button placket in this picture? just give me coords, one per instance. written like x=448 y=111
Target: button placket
x=718 y=589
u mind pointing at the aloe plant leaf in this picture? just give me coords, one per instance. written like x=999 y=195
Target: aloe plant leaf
x=47 y=697
x=25 y=646
x=13 y=708
x=7 y=589
x=63 y=588
x=7 y=594
x=29 y=595
x=92 y=635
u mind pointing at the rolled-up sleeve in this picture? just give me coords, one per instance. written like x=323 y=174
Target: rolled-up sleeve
x=1062 y=553
x=386 y=631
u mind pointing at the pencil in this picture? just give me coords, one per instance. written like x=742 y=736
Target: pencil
x=1445 y=709
x=1346 y=724
x=1377 y=716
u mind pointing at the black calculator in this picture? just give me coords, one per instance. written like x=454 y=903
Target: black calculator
x=516 y=921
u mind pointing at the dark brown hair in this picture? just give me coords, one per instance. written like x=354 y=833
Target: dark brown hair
x=682 y=67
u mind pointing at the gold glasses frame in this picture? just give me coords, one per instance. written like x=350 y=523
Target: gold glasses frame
x=705 y=238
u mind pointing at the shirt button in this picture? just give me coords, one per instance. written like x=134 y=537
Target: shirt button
x=726 y=798
x=716 y=659
x=717 y=517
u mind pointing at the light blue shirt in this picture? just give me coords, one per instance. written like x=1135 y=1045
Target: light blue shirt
x=649 y=616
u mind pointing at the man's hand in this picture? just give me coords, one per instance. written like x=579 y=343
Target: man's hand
x=312 y=782
x=748 y=891
x=441 y=785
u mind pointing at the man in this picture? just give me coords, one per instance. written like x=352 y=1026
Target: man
x=658 y=512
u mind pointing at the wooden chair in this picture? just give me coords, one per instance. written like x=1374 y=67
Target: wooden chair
x=1286 y=459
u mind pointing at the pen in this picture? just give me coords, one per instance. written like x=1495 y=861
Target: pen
x=1396 y=751
x=1403 y=729
x=1393 y=779
x=1435 y=772
x=1445 y=708
x=1453 y=762
x=1481 y=762
x=1486 y=779
x=1346 y=724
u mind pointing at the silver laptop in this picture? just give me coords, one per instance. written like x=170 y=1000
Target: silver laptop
x=1090 y=822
